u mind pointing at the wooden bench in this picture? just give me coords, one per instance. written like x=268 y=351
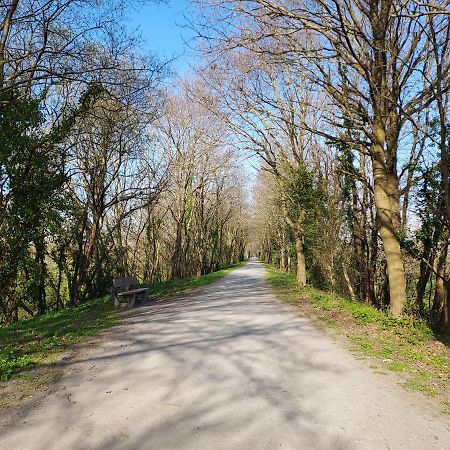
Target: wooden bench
x=124 y=291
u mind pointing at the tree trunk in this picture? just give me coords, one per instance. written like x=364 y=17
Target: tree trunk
x=297 y=228
x=351 y=291
x=42 y=268
x=440 y=288
x=283 y=251
x=371 y=262
x=424 y=277
x=445 y=319
x=386 y=226
x=6 y=28
x=176 y=257
x=301 y=267
x=440 y=301
x=58 y=284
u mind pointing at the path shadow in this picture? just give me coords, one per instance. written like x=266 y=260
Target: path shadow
x=218 y=361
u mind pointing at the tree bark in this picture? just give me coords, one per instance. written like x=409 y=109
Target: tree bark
x=297 y=227
x=445 y=319
x=440 y=308
x=301 y=266
x=6 y=28
x=348 y=282
x=424 y=277
x=440 y=290
x=386 y=210
x=176 y=271
x=40 y=262
x=283 y=251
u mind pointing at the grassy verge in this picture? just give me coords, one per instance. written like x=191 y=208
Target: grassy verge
x=180 y=286
x=35 y=342
x=410 y=350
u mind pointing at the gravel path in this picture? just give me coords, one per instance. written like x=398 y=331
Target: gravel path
x=226 y=367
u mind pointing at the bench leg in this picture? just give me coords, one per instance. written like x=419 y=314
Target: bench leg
x=132 y=300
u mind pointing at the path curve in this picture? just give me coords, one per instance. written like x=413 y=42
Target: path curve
x=226 y=367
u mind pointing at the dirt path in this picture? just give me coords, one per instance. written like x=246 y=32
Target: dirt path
x=227 y=367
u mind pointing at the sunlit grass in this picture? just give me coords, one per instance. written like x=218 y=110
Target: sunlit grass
x=34 y=342
x=28 y=343
x=404 y=346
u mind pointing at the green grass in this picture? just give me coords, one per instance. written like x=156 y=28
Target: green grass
x=397 y=367
x=32 y=342
x=404 y=346
x=180 y=286
x=417 y=385
x=284 y=284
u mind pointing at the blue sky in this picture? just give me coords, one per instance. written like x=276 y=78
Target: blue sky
x=161 y=26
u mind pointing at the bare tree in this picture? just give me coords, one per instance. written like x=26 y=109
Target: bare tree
x=379 y=51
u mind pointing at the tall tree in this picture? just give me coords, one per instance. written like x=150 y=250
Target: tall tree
x=383 y=47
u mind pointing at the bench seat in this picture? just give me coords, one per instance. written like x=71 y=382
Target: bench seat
x=124 y=290
x=132 y=292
